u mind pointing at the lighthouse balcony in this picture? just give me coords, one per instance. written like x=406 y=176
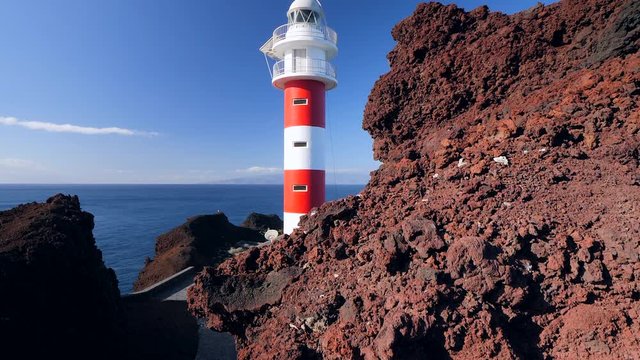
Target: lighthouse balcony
x=301 y=34
x=304 y=69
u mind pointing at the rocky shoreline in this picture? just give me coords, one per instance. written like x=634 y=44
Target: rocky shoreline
x=59 y=299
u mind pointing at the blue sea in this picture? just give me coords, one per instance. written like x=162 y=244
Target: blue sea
x=128 y=218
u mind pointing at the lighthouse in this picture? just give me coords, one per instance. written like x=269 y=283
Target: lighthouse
x=303 y=49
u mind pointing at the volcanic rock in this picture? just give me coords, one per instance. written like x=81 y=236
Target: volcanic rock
x=201 y=241
x=538 y=259
x=57 y=298
x=262 y=222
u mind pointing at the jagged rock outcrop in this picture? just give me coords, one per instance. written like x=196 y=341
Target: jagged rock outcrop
x=201 y=241
x=57 y=298
x=262 y=222
x=504 y=221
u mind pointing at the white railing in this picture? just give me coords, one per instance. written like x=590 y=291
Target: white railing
x=308 y=66
x=322 y=31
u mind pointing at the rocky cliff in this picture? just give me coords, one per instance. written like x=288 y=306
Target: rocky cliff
x=262 y=222
x=57 y=298
x=504 y=221
x=202 y=240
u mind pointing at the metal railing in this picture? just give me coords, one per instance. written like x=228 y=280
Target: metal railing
x=314 y=66
x=322 y=31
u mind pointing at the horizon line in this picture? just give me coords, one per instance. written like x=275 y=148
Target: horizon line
x=161 y=184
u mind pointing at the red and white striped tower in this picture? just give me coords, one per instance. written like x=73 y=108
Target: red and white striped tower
x=303 y=49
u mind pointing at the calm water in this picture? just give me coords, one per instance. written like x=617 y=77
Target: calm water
x=129 y=217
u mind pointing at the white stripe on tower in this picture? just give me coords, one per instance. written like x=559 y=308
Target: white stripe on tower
x=304 y=148
x=291 y=221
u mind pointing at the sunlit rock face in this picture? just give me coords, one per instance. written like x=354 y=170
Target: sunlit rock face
x=503 y=222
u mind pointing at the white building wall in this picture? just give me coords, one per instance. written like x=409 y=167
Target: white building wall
x=313 y=53
x=316 y=53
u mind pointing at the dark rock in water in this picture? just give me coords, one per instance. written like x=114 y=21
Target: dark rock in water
x=263 y=222
x=57 y=298
x=503 y=221
x=201 y=241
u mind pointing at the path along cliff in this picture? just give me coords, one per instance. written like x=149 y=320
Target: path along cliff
x=504 y=220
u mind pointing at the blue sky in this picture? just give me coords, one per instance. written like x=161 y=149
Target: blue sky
x=175 y=91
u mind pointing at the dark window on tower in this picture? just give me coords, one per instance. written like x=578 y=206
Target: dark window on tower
x=300 y=188
x=310 y=16
x=305 y=16
x=300 y=144
x=300 y=101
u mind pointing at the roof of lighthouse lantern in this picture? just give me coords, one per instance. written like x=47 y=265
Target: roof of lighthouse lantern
x=306 y=5
x=306 y=11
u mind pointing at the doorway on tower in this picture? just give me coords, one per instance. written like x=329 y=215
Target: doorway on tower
x=299 y=60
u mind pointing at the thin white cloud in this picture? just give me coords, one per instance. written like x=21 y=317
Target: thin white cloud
x=349 y=171
x=260 y=170
x=75 y=129
x=19 y=164
x=202 y=172
x=118 y=171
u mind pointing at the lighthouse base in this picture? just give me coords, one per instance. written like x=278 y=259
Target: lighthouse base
x=291 y=221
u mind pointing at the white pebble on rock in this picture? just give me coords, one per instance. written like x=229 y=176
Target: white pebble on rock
x=501 y=160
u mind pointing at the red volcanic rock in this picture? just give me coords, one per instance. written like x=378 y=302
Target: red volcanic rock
x=504 y=221
x=201 y=241
x=57 y=298
x=592 y=331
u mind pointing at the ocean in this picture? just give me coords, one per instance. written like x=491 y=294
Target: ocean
x=128 y=218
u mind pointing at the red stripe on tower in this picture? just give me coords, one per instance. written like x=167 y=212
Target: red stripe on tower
x=311 y=114
x=298 y=201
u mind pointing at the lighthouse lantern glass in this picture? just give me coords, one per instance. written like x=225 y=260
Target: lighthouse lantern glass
x=304 y=17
